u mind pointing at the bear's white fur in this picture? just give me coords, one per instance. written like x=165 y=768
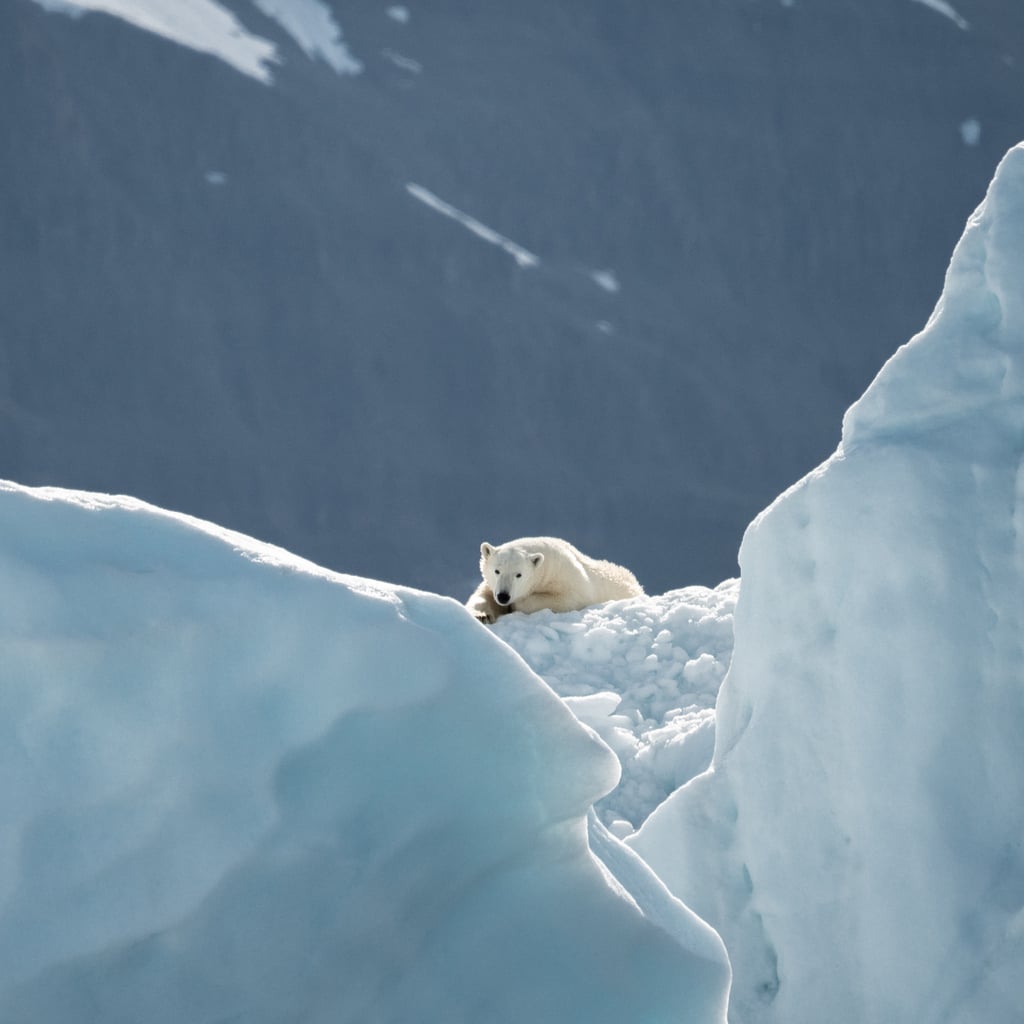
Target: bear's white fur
x=532 y=573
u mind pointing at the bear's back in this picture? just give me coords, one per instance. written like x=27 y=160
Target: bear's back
x=604 y=581
x=612 y=582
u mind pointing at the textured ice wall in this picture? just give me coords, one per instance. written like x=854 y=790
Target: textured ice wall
x=858 y=841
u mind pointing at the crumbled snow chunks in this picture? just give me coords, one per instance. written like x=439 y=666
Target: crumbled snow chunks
x=644 y=674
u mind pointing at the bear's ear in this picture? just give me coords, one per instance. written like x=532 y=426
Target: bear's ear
x=537 y=559
x=486 y=550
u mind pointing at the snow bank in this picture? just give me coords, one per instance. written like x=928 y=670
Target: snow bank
x=238 y=787
x=858 y=839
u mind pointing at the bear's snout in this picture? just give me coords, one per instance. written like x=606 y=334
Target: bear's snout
x=503 y=597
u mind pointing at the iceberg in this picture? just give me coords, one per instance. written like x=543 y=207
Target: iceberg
x=857 y=840
x=237 y=786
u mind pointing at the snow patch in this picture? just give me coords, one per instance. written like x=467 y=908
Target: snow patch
x=405 y=63
x=523 y=257
x=947 y=11
x=399 y=14
x=311 y=24
x=605 y=279
x=970 y=131
x=208 y=27
x=202 y=25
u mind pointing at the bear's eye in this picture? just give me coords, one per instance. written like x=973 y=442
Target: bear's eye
x=497 y=572
x=519 y=575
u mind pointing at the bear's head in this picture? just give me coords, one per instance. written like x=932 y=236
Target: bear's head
x=509 y=571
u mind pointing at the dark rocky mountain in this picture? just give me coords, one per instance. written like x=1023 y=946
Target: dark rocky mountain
x=222 y=295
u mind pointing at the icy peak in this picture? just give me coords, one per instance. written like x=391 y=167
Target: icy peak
x=968 y=362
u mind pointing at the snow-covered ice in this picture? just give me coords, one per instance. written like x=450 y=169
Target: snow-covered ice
x=239 y=787
x=859 y=838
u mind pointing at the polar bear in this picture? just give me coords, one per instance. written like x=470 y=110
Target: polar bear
x=532 y=573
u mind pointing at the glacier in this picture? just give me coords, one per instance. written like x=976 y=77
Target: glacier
x=858 y=839
x=237 y=786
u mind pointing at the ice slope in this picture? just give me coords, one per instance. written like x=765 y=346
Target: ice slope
x=859 y=839
x=238 y=787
